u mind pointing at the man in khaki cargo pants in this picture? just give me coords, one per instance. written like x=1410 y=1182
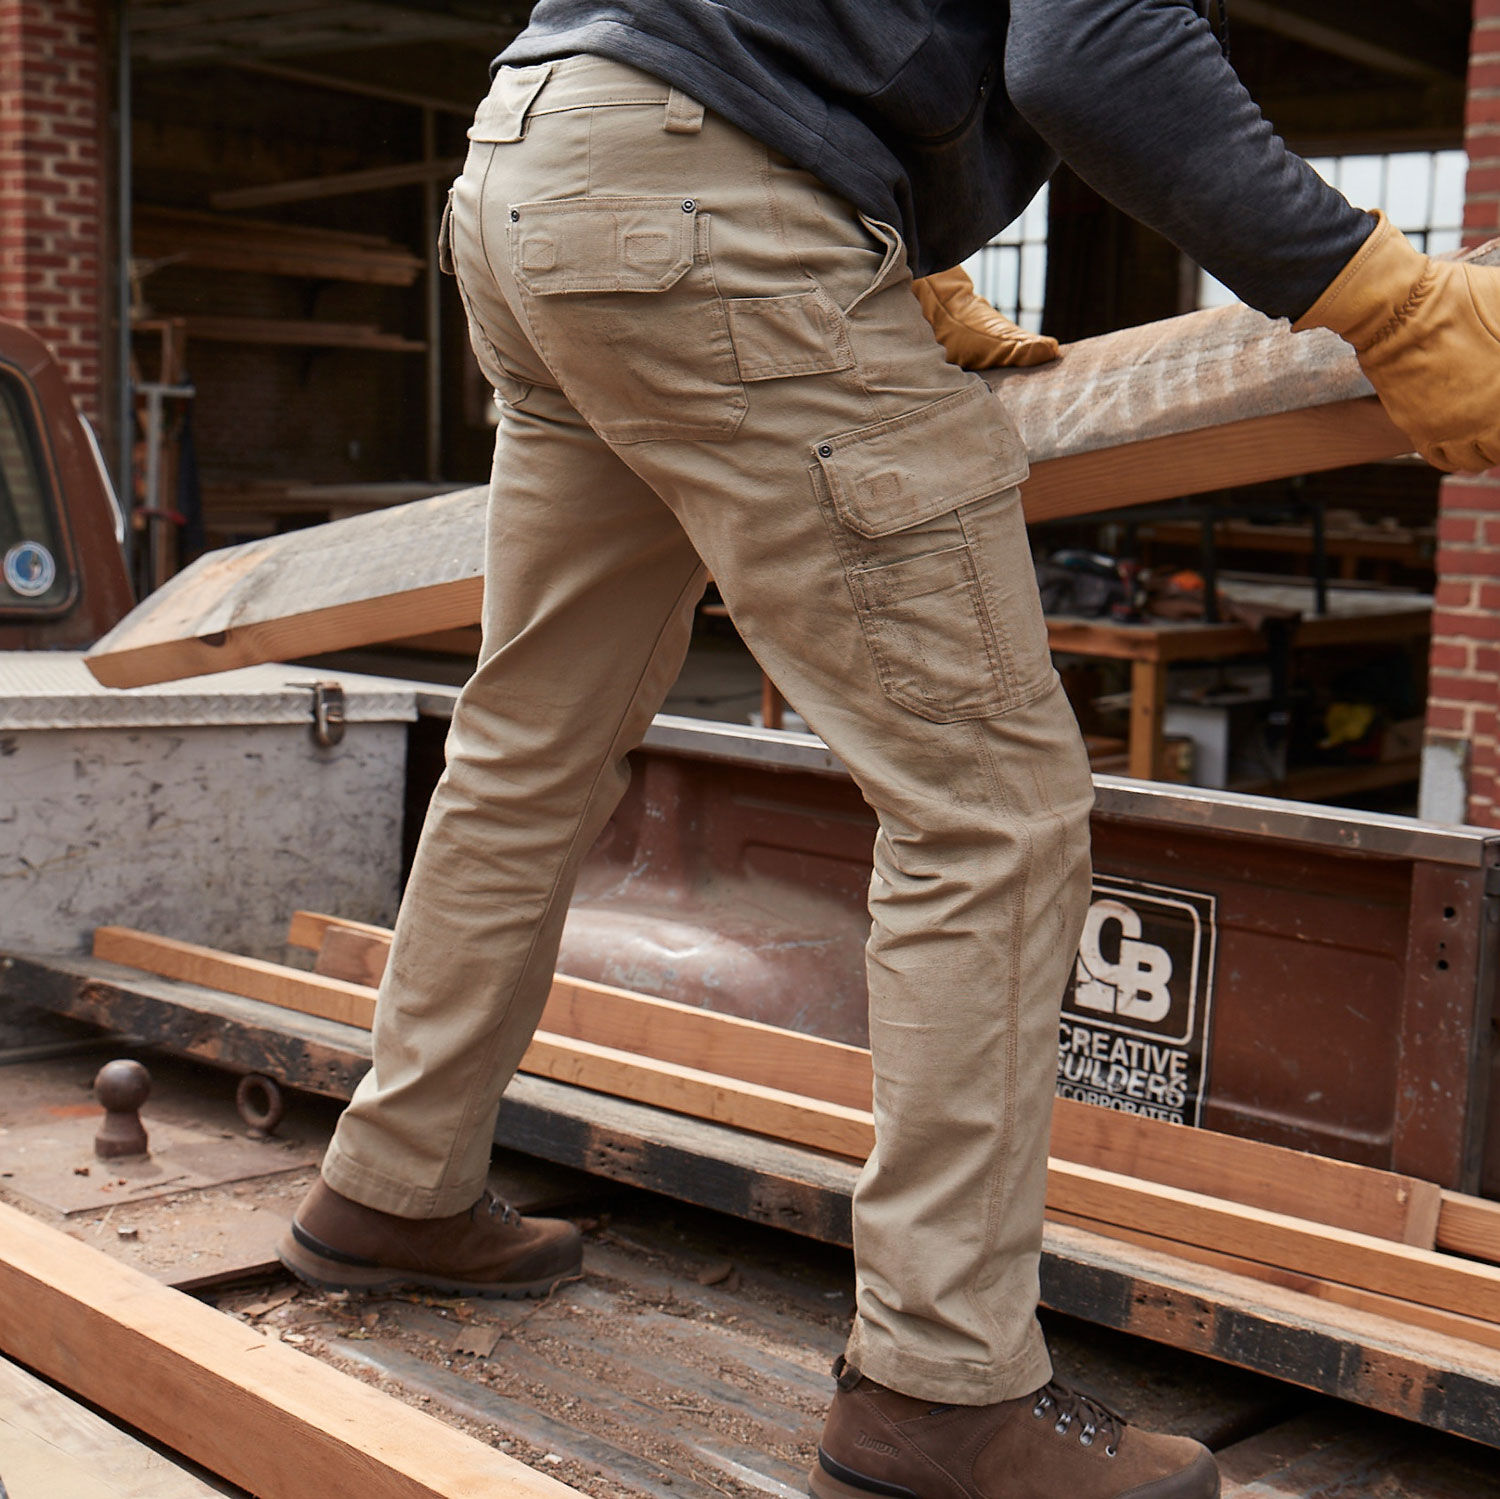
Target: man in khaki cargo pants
x=705 y=357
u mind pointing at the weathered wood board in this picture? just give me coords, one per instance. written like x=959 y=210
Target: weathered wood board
x=1209 y=400
x=51 y=1446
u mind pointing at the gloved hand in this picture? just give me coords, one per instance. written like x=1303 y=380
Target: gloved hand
x=974 y=335
x=1427 y=333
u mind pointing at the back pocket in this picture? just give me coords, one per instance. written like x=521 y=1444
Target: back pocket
x=621 y=298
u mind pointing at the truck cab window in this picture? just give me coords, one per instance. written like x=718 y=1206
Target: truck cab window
x=33 y=557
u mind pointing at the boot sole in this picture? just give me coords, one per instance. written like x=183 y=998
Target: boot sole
x=1199 y=1480
x=332 y=1275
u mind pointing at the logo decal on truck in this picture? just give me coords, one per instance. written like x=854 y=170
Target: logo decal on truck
x=1137 y=1015
x=30 y=569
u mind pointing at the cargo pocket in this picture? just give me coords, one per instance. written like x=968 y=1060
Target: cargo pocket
x=620 y=292
x=937 y=558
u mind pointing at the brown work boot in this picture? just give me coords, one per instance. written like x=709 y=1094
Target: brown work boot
x=490 y=1250
x=1055 y=1444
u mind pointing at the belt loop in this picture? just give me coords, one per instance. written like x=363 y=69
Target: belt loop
x=684 y=115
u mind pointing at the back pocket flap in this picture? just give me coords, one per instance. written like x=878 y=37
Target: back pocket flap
x=602 y=244
x=906 y=470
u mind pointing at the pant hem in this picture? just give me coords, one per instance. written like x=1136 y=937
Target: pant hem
x=374 y=1189
x=941 y=1380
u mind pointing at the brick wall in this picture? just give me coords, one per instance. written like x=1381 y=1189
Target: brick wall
x=1463 y=726
x=52 y=182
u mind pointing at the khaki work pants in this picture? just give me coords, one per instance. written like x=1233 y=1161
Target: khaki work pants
x=704 y=354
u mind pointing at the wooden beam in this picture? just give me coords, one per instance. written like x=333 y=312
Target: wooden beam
x=306 y=333
x=340 y=185
x=781 y=1115
x=50 y=1444
x=1423 y=1276
x=1424 y=1376
x=1469 y=1225
x=257 y=1413
x=344 y=84
x=1206 y=401
x=1450 y=1324
x=1336 y=1193
x=252 y=978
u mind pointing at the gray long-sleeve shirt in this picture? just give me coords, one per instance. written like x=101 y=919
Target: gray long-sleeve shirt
x=944 y=117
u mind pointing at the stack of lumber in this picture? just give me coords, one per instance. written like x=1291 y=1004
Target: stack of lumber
x=1331 y=1231
x=1207 y=401
x=218 y=242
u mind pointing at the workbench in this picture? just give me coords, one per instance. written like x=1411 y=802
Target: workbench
x=1355 y=617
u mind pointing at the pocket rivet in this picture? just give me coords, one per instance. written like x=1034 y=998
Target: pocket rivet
x=688 y=205
x=824 y=451
x=515 y=217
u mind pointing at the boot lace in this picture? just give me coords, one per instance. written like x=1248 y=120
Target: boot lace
x=1093 y=1417
x=496 y=1207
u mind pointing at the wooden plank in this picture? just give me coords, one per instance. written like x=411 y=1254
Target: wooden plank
x=340 y=184
x=258 y=1413
x=358 y=581
x=1337 y=1193
x=1353 y=1355
x=1423 y=1276
x=219 y=242
x=253 y=978
x=783 y=1116
x=298 y=332
x=689 y=1090
x=1469 y=1225
x=1201 y=402
x=51 y=1445
x=307 y=930
x=1450 y=1324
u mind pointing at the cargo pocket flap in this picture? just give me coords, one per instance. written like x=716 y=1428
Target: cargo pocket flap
x=602 y=244
x=911 y=468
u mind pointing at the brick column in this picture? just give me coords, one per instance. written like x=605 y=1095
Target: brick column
x=1461 y=764
x=52 y=182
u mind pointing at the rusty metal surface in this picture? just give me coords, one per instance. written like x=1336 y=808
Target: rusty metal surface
x=1352 y=991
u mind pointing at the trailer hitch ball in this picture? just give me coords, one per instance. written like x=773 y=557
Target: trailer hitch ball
x=121 y=1088
x=260 y=1104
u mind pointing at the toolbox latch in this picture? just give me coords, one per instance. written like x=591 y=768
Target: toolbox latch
x=327 y=712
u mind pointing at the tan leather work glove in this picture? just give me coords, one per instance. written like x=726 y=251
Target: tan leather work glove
x=974 y=335
x=1427 y=333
